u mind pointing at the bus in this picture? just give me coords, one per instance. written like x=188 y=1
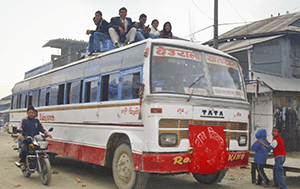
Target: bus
x=158 y=106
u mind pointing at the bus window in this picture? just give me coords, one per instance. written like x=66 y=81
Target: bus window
x=24 y=97
x=42 y=95
x=113 y=86
x=34 y=98
x=20 y=101
x=12 y=102
x=130 y=86
x=81 y=91
x=30 y=99
x=75 y=92
x=25 y=102
x=60 y=95
x=47 y=102
x=17 y=103
x=68 y=93
x=104 y=88
x=39 y=98
x=54 y=95
x=90 y=91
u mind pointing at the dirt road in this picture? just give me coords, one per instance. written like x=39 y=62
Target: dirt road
x=67 y=170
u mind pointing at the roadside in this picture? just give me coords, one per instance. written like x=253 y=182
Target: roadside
x=67 y=170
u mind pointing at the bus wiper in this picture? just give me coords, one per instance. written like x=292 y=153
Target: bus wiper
x=194 y=82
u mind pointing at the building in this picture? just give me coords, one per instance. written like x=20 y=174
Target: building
x=269 y=53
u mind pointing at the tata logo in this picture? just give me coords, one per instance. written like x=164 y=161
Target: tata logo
x=211 y=113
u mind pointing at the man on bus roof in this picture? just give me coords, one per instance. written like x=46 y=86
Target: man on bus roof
x=100 y=34
x=121 y=28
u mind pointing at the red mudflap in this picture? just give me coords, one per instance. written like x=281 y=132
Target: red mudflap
x=210 y=153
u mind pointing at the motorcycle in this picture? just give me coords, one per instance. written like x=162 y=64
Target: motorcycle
x=37 y=158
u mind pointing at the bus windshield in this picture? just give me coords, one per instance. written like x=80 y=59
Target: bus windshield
x=185 y=71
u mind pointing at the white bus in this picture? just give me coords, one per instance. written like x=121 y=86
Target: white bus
x=157 y=106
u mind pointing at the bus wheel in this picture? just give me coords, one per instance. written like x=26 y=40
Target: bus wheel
x=210 y=179
x=125 y=176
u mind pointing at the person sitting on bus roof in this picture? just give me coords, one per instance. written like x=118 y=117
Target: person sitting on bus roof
x=100 y=34
x=167 y=31
x=121 y=28
x=142 y=31
x=154 y=30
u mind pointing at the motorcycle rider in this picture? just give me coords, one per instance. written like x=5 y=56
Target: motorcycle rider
x=30 y=127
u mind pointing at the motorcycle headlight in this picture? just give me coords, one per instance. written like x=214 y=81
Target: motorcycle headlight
x=242 y=140
x=43 y=144
x=168 y=139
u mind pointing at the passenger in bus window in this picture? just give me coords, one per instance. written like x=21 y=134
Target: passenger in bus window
x=169 y=85
x=121 y=28
x=154 y=30
x=100 y=34
x=167 y=31
x=142 y=31
x=179 y=83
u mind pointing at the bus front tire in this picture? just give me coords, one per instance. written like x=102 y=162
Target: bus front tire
x=211 y=178
x=125 y=176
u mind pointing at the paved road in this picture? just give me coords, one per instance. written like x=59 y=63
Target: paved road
x=67 y=170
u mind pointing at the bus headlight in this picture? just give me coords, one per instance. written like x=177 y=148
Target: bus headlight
x=242 y=140
x=168 y=139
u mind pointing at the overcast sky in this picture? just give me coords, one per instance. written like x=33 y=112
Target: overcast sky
x=26 y=25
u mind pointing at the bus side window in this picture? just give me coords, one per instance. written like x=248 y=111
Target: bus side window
x=12 y=102
x=20 y=101
x=130 y=86
x=104 y=88
x=39 y=97
x=75 y=92
x=87 y=93
x=30 y=99
x=113 y=87
x=47 y=102
x=61 y=93
x=42 y=95
x=68 y=93
x=26 y=98
x=54 y=95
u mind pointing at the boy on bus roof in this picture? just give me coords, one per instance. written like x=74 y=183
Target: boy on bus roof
x=100 y=34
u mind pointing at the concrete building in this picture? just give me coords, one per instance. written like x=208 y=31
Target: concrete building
x=269 y=52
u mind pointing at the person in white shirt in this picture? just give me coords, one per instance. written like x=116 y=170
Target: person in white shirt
x=154 y=31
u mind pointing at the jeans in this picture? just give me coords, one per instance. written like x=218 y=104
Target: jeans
x=139 y=36
x=261 y=174
x=278 y=172
x=94 y=42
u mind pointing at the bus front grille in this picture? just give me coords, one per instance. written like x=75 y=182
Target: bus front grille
x=233 y=129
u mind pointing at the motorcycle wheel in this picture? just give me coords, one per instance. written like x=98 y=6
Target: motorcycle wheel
x=124 y=175
x=45 y=172
x=26 y=173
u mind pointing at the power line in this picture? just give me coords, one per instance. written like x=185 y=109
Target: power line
x=212 y=26
x=202 y=11
x=236 y=10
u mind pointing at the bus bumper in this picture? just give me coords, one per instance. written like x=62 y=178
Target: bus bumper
x=181 y=162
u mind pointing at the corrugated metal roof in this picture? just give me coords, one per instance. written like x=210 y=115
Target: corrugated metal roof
x=266 y=27
x=279 y=83
x=63 y=43
x=239 y=45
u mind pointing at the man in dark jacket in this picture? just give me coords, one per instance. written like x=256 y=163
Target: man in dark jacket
x=100 y=34
x=121 y=28
x=30 y=127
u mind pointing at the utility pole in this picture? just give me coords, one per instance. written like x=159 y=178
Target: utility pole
x=216 y=25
